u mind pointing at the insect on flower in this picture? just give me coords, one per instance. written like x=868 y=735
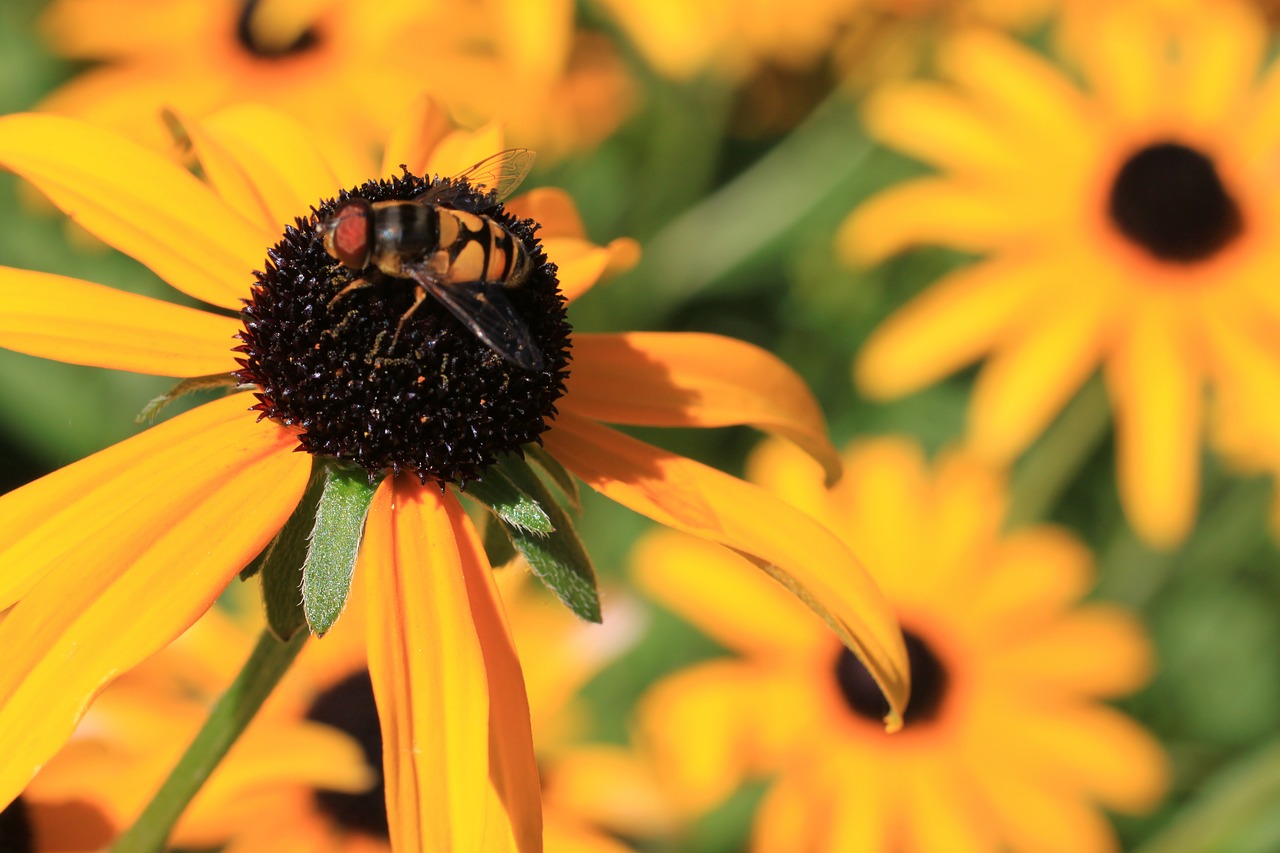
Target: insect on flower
x=464 y=260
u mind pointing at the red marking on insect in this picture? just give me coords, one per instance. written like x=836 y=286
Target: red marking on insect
x=347 y=235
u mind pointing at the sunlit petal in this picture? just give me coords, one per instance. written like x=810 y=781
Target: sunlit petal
x=138 y=202
x=794 y=549
x=440 y=670
x=131 y=546
x=694 y=380
x=250 y=149
x=698 y=579
x=84 y=323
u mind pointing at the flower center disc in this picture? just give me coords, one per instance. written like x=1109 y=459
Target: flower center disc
x=1170 y=200
x=427 y=396
x=928 y=684
x=349 y=707
x=15 y=829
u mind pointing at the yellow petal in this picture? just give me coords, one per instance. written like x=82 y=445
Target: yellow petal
x=553 y=209
x=269 y=153
x=1011 y=83
x=1155 y=388
x=1032 y=575
x=706 y=584
x=84 y=323
x=272 y=755
x=798 y=552
x=1094 y=651
x=133 y=544
x=696 y=380
x=1220 y=62
x=1032 y=814
x=138 y=202
x=1026 y=383
x=936 y=125
x=442 y=670
x=461 y=150
x=701 y=742
x=100 y=496
x=1093 y=749
x=1121 y=62
x=413 y=139
x=929 y=211
x=950 y=325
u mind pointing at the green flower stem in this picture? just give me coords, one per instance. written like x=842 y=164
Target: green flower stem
x=751 y=214
x=230 y=716
x=1053 y=463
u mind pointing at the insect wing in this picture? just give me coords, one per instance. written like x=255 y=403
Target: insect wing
x=501 y=173
x=483 y=308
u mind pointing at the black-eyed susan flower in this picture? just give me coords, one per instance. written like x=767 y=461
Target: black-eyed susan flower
x=1006 y=746
x=344 y=68
x=1130 y=226
x=108 y=559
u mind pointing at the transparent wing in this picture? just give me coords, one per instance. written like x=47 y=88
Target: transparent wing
x=483 y=308
x=501 y=173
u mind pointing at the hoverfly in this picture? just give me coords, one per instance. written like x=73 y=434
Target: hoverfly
x=464 y=260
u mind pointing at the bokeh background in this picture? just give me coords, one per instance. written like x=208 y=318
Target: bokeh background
x=734 y=164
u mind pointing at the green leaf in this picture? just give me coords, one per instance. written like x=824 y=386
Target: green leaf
x=335 y=543
x=497 y=547
x=281 y=563
x=560 y=475
x=558 y=559
x=509 y=502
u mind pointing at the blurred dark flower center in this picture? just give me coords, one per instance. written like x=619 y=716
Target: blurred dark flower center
x=349 y=707
x=16 y=835
x=252 y=40
x=928 y=684
x=1170 y=200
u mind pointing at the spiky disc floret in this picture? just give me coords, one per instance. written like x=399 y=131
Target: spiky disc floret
x=441 y=404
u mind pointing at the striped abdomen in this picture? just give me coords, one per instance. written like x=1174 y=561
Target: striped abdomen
x=457 y=246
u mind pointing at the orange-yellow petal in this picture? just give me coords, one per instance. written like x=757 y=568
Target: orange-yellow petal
x=694 y=380
x=701 y=741
x=1094 y=749
x=953 y=323
x=438 y=671
x=928 y=211
x=706 y=584
x=936 y=125
x=581 y=263
x=1092 y=651
x=131 y=546
x=1155 y=385
x=1025 y=384
x=424 y=125
x=797 y=551
x=252 y=149
x=84 y=323
x=138 y=202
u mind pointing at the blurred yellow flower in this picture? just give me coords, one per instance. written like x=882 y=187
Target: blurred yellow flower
x=1133 y=227
x=1006 y=745
x=348 y=70
x=106 y=560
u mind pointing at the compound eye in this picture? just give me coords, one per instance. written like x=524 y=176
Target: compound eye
x=348 y=234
